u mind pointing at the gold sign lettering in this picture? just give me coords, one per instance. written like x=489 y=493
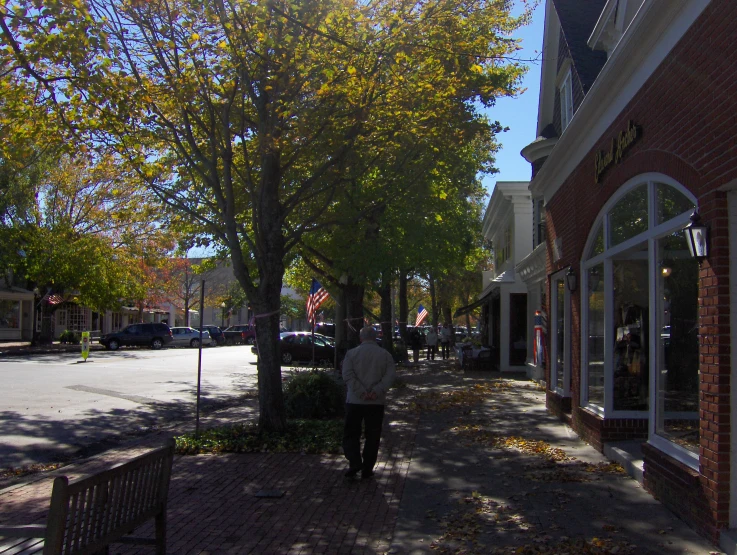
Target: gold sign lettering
x=617 y=149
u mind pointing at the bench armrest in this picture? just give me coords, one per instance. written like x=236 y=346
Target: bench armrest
x=23 y=531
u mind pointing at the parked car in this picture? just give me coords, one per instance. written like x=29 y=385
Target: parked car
x=216 y=334
x=241 y=333
x=189 y=337
x=153 y=335
x=297 y=345
x=325 y=328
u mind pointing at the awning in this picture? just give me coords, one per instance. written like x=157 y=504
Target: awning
x=474 y=305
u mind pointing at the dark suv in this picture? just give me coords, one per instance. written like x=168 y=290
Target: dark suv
x=153 y=335
x=216 y=333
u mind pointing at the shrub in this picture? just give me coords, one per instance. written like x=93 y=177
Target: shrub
x=313 y=395
x=70 y=337
x=301 y=436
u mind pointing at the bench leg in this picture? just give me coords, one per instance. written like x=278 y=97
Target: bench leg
x=161 y=533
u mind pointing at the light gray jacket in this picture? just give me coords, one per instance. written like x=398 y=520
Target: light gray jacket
x=368 y=368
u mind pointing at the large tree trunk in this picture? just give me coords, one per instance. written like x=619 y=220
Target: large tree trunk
x=266 y=305
x=353 y=313
x=340 y=335
x=434 y=302
x=265 y=296
x=387 y=327
x=403 y=305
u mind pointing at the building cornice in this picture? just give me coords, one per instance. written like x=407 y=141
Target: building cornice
x=539 y=148
x=532 y=267
x=652 y=35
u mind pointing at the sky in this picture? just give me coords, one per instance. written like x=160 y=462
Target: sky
x=520 y=113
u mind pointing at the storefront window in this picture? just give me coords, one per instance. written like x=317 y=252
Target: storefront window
x=595 y=334
x=9 y=314
x=641 y=314
x=628 y=217
x=559 y=296
x=671 y=202
x=598 y=246
x=631 y=301
x=677 y=417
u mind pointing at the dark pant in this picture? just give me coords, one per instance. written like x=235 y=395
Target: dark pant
x=431 y=350
x=445 y=348
x=373 y=417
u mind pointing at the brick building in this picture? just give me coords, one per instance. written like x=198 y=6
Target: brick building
x=637 y=130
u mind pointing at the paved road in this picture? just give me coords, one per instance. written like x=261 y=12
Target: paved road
x=55 y=406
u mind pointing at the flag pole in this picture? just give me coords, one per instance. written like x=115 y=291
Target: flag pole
x=313 y=341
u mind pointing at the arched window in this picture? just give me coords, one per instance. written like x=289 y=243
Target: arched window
x=639 y=313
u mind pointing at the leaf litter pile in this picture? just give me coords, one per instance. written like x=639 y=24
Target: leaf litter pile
x=466 y=529
x=436 y=401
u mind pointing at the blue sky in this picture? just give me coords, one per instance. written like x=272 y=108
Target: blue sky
x=519 y=114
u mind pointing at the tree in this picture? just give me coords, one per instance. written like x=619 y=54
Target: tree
x=252 y=118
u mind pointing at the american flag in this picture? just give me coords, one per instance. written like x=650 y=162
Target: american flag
x=317 y=296
x=53 y=299
x=421 y=315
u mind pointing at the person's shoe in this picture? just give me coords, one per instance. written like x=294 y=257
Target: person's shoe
x=351 y=472
x=366 y=474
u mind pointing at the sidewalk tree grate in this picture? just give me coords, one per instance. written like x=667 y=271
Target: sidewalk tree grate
x=270 y=493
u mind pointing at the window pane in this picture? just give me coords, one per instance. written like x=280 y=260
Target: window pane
x=9 y=314
x=677 y=417
x=560 y=332
x=631 y=301
x=671 y=203
x=598 y=246
x=629 y=216
x=595 y=330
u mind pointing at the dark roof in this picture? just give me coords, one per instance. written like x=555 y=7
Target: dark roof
x=577 y=20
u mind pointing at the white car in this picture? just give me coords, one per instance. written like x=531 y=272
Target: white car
x=189 y=337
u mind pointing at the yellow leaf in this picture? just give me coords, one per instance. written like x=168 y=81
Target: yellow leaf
x=351 y=70
x=195 y=36
x=443 y=195
x=438 y=218
x=477 y=68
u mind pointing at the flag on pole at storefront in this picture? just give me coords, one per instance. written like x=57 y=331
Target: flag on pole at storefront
x=317 y=296
x=421 y=315
x=541 y=329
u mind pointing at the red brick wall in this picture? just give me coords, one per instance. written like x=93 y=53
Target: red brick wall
x=558 y=405
x=688 y=114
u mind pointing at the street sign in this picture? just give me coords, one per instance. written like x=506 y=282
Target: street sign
x=85 y=345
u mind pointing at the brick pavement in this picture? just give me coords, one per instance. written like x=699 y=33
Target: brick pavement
x=214 y=508
x=440 y=486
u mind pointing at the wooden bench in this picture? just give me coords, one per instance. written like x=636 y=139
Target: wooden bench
x=87 y=515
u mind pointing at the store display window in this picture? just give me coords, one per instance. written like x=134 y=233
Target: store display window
x=640 y=355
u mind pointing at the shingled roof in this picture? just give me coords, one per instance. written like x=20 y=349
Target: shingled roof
x=577 y=21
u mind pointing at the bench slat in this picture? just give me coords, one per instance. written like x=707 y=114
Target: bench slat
x=21 y=546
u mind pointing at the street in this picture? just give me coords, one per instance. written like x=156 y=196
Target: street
x=55 y=405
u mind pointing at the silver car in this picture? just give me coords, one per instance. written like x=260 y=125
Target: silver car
x=189 y=337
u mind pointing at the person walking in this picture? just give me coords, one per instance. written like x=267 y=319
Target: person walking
x=432 y=343
x=415 y=342
x=445 y=341
x=368 y=372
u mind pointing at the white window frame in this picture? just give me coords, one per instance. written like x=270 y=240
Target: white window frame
x=654 y=232
x=566 y=99
x=553 y=324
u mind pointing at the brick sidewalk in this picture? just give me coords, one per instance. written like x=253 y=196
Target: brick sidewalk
x=214 y=507
x=442 y=484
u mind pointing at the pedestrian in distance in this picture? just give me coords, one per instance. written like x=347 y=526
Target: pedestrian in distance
x=368 y=372
x=415 y=342
x=445 y=341
x=432 y=343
